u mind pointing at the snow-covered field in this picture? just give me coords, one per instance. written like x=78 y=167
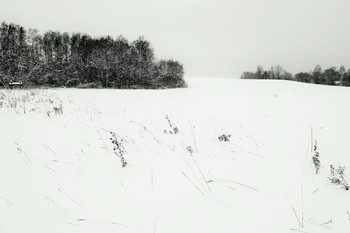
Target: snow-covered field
x=60 y=173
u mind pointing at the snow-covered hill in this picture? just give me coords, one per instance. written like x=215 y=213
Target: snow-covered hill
x=60 y=172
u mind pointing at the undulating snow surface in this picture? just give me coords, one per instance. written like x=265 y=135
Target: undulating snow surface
x=59 y=172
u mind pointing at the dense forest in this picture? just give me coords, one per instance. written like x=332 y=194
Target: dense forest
x=57 y=59
x=330 y=76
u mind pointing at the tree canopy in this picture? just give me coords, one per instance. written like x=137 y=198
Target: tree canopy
x=330 y=76
x=60 y=59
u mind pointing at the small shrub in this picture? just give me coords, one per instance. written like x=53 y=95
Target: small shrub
x=72 y=82
x=174 y=129
x=315 y=159
x=224 y=138
x=90 y=85
x=13 y=102
x=118 y=148
x=189 y=149
x=337 y=176
x=58 y=110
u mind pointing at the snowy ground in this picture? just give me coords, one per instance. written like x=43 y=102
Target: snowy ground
x=59 y=173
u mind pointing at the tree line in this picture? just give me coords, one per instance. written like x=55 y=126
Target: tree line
x=62 y=59
x=330 y=76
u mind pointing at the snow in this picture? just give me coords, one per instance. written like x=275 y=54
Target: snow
x=58 y=172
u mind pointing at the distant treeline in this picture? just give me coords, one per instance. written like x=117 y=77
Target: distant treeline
x=60 y=59
x=330 y=76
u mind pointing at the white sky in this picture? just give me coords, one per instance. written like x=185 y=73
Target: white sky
x=210 y=37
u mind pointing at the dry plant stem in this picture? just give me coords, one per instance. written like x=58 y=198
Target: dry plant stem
x=292 y=229
x=36 y=106
x=193 y=183
x=194 y=174
x=132 y=196
x=322 y=188
x=169 y=122
x=49 y=149
x=15 y=111
x=72 y=199
x=344 y=182
x=325 y=223
x=230 y=181
x=302 y=205
x=227 y=186
x=295 y=213
x=194 y=137
x=26 y=160
x=57 y=161
x=254 y=154
x=152 y=179
x=98 y=220
x=58 y=206
x=146 y=130
x=7 y=201
x=70 y=223
x=155 y=225
x=251 y=137
x=311 y=137
x=201 y=173
x=103 y=141
x=317 y=224
x=225 y=205
x=46 y=166
x=24 y=107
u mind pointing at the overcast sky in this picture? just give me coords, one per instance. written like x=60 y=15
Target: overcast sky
x=210 y=37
